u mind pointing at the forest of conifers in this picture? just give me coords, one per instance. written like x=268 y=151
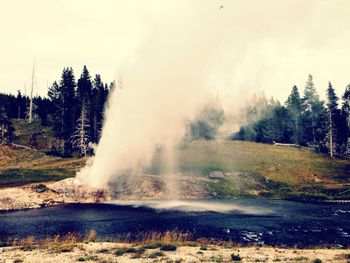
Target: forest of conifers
x=303 y=120
x=74 y=110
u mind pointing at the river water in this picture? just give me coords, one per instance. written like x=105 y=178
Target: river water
x=272 y=222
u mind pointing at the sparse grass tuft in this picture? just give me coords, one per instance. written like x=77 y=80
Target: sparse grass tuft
x=63 y=248
x=91 y=236
x=156 y=238
x=168 y=247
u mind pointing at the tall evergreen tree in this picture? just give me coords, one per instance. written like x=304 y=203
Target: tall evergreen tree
x=295 y=107
x=99 y=96
x=346 y=118
x=312 y=113
x=20 y=100
x=84 y=85
x=63 y=97
x=346 y=104
x=6 y=128
x=55 y=95
x=67 y=85
x=333 y=117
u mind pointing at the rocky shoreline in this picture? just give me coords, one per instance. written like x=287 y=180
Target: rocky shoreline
x=71 y=190
x=49 y=194
x=138 y=187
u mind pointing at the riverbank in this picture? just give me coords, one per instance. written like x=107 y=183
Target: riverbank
x=154 y=252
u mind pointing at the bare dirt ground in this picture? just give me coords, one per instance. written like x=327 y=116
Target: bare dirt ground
x=117 y=252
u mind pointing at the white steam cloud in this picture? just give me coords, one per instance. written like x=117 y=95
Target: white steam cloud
x=162 y=87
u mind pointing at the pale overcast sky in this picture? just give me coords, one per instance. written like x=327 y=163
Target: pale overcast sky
x=266 y=45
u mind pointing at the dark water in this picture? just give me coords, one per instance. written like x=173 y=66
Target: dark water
x=251 y=221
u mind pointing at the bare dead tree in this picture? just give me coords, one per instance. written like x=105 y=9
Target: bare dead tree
x=30 y=117
x=330 y=134
x=81 y=138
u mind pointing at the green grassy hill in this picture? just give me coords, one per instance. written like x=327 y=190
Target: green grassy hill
x=250 y=169
x=262 y=170
x=20 y=166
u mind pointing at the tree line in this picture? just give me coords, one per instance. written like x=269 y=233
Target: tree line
x=74 y=110
x=303 y=120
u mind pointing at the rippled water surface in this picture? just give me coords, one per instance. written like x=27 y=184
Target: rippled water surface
x=246 y=221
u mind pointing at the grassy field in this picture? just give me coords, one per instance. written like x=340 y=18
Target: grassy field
x=273 y=171
x=20 y=166
x=251 y=169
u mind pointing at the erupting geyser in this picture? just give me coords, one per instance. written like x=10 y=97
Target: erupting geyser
x=164 y=85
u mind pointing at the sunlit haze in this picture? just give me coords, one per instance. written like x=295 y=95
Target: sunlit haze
x=266 y=45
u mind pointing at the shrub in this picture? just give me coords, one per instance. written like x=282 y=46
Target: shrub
x=152 y=245
x=203 y=248
x=64 y=248
x=103 y=250
x=125 y=250
x=168 y=247
x=235 y=257
x=156 y=254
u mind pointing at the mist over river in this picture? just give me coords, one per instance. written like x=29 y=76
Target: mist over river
x=271 y=222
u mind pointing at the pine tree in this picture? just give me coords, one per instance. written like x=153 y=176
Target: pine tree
x=295 y=108
x=62 y=95
x=55 y=96
x=81 y=137
x=98 y=101
x=20 y=101
x=333 y=116
x=6 y=128
x=67 y=84
x=312 y=112
x=84 y=85
x=346 y=116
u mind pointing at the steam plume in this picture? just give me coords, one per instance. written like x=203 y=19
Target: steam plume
x=164 y=86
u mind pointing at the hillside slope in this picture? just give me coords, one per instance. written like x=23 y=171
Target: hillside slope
x=248 y=169
x=267 y=170
x=29 y=164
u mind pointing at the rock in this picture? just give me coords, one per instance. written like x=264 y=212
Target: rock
x=40 y=188
x=317 y=180
x=17 y=198
x=216 y=175
x=72 y=190
x=273 y=169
